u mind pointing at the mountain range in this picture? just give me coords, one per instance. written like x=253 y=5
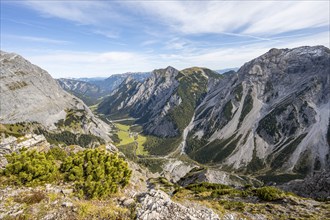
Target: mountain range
x=271 y=117
x=185 y=144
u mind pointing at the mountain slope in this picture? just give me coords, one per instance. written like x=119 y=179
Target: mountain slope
x=164 y=103
x=272 y=115
x=30 y=94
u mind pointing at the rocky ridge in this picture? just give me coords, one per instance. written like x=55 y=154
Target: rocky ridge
x=156 y=204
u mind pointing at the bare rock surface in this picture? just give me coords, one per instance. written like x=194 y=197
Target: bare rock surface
x=315 y=186
x=156 y=204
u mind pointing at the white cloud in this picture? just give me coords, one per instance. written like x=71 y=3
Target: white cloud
x=193 y=17
x=84 y=64
x=298 y=15
x=261 y=17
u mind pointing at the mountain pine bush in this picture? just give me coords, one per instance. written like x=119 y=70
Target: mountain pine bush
x=30 y=168
x=96 y=172
x=269 y=193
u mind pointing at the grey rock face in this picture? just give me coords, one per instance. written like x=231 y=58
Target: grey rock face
x=29 y=93
x=273 y=114
x=316 y=186
x=156 y=204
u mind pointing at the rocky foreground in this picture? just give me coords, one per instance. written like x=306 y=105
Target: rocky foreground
x=54 y=202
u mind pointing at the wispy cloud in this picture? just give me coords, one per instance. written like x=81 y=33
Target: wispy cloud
x=82 y=12
x=107 y=33
x=239 y=17
x=24 y=23
x=38 y=39
x=149 y=42
x=294 y=15
x=233 y=18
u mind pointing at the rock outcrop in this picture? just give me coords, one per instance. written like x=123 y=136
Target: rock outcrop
x=156 y=204
x=315 y=186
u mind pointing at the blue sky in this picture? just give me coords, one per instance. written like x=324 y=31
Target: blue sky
x=100 y=38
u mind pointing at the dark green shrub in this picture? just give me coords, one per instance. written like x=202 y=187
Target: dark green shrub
x=115 y=138
x=69 y=138
x=232 y=205
x=96 y=172
x=220 y=192
x=203 y=187
x=269 y=193
x=30 y=168
x=58 y=153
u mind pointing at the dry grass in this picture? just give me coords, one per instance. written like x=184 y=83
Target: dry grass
x=30 y=198
x=96 y=209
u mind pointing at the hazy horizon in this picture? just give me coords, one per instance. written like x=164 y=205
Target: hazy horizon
x=100 y=38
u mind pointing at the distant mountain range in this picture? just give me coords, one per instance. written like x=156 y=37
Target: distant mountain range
x=222 y=71
x=90 y=90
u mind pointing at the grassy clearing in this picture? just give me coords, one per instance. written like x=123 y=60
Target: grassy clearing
x=128 y=138
x=140 y=148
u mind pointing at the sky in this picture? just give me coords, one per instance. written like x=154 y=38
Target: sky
x=100 y=38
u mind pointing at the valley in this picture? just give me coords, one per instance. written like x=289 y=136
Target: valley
x=164 y=110
x=206 y=145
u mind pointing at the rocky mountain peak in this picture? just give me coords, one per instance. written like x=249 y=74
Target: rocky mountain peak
x=288 y=61
x=30 y=94
x=167 y=73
